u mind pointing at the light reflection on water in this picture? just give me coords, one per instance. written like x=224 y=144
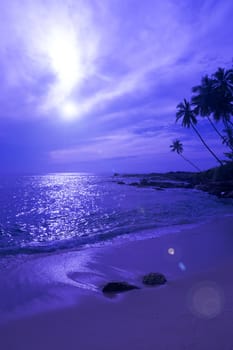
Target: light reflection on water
x=62 y=210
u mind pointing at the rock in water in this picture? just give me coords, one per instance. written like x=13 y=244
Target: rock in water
x=154 y=278
x=118 y=287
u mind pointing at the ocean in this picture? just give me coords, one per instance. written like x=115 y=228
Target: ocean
x=46 y=213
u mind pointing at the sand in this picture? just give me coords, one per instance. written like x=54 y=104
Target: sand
x=194 y=310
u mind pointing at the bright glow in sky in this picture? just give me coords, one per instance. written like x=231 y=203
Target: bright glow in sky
x=65 y=57
x=69 y=110
x=116 y=69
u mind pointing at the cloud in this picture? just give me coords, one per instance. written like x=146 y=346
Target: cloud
x=92 y=53
x=118 y=67
x=124 y=144
x=47 y=39
x=68 y=42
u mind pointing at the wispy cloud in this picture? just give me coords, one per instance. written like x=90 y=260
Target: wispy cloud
x=70 y=44
x=119 y=68
x=94 y=53
x=48 y=39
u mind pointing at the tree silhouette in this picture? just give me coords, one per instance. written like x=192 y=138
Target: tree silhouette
x=188 y=117
x=203 y=101
x=177 y=147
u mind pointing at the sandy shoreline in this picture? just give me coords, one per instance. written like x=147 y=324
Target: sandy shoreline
x=193 y=311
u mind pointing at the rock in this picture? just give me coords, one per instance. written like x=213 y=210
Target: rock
x=161 y=184
x=118 y=287
x=159 y=189
x=219 y=188
x=120 y=182
x=154 y=278
x=144 y=182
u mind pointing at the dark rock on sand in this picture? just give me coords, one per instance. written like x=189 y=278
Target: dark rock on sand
x=118 y=287
x=154 y=278
x=121 y=182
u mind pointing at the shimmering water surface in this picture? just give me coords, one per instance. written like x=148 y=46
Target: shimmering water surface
x=44 y=213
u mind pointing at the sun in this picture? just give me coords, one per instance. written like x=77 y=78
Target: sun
x=69 y=110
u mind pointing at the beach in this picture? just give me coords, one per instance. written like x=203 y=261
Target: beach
x=193 y=310
x=116 y=175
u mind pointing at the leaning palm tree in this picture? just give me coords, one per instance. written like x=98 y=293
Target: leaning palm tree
x=223 y=80
x=177 y=147
x=228 y=139
x=222 y=107
x=203 y=101
x=188 y=116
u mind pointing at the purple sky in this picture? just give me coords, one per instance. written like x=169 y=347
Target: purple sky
x=89 y=85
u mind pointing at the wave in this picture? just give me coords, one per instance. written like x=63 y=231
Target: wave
x=43 y=214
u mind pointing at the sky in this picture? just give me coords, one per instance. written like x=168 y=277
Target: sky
x=93 y=85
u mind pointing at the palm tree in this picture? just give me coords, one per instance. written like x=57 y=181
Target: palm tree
x=222 y=107
x=203 y=101
x=206 y=95
x=223 y=79
x=177 y=147
x=189 y=119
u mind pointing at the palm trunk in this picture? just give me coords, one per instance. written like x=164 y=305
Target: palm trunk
x=230 y=122
x=205 y=144
x=217 y=131
x=227 y=123
x=189 y=161
x=214 y=127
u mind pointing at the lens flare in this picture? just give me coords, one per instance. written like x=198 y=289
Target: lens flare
x=171 y=251
x=206 y=300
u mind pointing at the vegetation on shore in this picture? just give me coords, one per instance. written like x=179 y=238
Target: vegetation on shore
x=213 y=100
x=217 y=181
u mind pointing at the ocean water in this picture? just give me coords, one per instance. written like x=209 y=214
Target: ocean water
x=74 y=217
x=57 y=211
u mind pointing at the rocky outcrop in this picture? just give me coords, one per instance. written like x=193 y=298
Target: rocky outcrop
x=154 y=278
x=161 y=185
x=118 y=287
x=217 y=181
x=222 y=189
